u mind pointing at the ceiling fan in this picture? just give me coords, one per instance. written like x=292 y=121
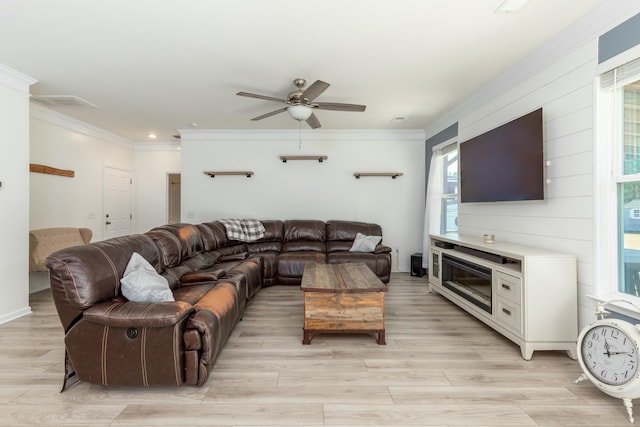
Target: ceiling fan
x=299 y=103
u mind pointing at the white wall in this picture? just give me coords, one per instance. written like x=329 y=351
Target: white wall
x=152 y=164
x=65 y=143
x=309 y=189
x=561 y=82
x=14 y=194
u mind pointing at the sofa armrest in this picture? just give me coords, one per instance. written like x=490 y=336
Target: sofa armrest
x=138 y=314
x=381 y=249
x=86 y=234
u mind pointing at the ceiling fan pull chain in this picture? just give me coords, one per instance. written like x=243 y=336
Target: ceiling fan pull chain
x=299 y=135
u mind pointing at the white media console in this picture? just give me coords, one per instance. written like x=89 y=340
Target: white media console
x=528 y=295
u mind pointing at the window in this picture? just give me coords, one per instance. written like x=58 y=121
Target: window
x=449 y=211
x=628 y=183
x=621 y=88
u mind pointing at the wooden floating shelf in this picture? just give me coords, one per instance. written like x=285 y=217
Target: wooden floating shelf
x=49 y=170
x=393 y=175
x=212 y=174
x=320 y=159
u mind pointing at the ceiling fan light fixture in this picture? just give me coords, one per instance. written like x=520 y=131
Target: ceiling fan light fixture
x=300 y=112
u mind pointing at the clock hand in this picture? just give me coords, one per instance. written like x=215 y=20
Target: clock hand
x=607 y=347
x=618 y=352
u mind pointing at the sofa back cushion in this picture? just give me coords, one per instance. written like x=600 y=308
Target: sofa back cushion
x=219 y=233
x=272 y=239
x=304 y=235
x=295 y=230
x=340 y=234
x=209 y=242
x=190 y=238
x=169 y=245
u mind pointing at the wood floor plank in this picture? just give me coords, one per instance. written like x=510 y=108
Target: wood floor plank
x=222 y=413
x=300 y=394
x=426 y=415
x=440 y=367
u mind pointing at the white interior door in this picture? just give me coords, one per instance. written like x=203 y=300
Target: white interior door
x=117 y=202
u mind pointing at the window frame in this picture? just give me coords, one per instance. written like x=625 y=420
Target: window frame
x=609 y=176
x=446 y=198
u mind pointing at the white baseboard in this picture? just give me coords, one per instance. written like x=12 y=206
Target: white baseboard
x=14 y=315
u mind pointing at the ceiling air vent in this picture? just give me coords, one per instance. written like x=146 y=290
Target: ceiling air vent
x=62 y=101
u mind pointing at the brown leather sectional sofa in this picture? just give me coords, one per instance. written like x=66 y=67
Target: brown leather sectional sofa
x=111 y=341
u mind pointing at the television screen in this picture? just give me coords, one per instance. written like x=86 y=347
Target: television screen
x=504 y=164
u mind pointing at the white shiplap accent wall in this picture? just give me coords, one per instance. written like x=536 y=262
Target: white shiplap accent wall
x=559 y=77
x=564 y=221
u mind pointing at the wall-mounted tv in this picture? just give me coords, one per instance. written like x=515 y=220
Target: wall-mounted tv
x=505 y=163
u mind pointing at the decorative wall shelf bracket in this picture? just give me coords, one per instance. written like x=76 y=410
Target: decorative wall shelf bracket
x=51 y=171
x=320 y=159
x=212 y=174
x=393 y=175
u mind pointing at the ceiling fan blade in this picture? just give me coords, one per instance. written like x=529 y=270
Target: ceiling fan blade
x=254 y=95
x=313 y=91
x=313 y=121
x=273 y=113
x=337 y=106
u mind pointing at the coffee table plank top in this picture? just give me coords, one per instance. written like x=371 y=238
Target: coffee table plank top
x=340 y=278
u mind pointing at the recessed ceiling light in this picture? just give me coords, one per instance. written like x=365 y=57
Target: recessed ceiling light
x=152 y=136
x=511 y=6
x=398 y=119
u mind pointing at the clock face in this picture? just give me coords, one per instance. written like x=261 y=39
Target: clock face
x=609 y=354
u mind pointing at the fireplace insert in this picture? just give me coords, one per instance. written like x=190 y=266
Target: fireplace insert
x=467 y=279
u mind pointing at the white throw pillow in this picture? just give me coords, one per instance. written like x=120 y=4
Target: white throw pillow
x=141 y=282
x=364 y=243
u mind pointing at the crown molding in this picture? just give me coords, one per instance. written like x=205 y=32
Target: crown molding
x=45 y=114
x=157 y=146
x=15 y=79
x=294 y=135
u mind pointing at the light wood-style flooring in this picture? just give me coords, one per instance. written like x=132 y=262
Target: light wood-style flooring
x=440 y=367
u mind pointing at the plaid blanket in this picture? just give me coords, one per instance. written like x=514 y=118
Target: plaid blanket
x=244 y=230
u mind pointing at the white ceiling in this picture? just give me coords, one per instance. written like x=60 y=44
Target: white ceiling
x=159 y=65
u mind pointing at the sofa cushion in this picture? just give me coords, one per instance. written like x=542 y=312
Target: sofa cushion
x=169 y=245
x=209 y=242
x=291 y=264
x=219 y=233
x=347 y=230
x=190 y=238
x=142 y=283
x=364 y=243
x=304 y=246
x=304 y=230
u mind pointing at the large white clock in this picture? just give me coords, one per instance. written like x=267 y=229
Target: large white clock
x=608 y=355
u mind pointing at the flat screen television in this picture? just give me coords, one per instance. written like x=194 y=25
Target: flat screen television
x=505 y=163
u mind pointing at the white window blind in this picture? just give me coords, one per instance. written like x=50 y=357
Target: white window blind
x=620 y=76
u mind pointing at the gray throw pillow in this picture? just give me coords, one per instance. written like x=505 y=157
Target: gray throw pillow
x=364 y=243
x=141 y=282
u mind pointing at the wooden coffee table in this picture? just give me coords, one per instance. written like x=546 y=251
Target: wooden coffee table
x=342 y=298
